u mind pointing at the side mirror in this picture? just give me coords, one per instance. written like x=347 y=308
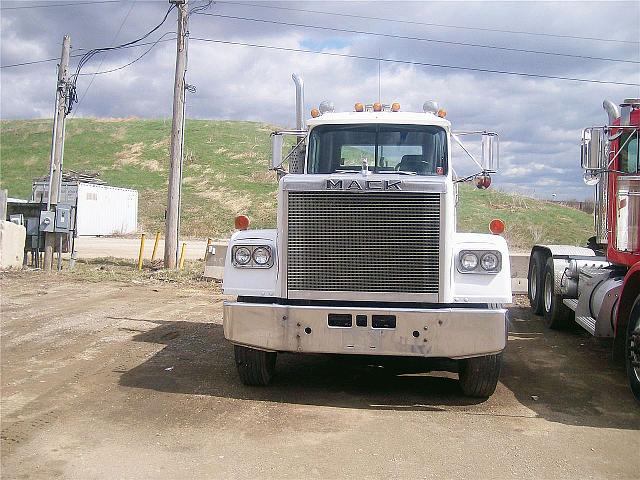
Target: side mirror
x=490 y=152
x=277 y=141
x=591 y=152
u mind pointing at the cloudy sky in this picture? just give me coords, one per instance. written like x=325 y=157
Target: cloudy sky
x=539 y=119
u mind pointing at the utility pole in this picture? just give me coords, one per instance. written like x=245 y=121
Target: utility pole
x=177 y=133
x=57 y=146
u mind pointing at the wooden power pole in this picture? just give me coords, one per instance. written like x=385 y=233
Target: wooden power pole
x=177 y=134
x=57 y=145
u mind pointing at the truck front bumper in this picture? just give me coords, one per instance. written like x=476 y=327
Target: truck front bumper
x=436 y=332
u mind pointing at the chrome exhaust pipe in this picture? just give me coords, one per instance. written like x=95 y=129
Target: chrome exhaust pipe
x=612 y=110
x=297 y=79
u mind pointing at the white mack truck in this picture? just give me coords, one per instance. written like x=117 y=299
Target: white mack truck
x=365 y=259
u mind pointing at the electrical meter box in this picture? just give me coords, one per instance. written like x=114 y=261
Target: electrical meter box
x=47 y=221
x=63 y=218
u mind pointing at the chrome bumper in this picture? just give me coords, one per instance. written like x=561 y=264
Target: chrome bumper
x=446 y=332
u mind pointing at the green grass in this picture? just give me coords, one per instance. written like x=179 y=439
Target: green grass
x=226 y=173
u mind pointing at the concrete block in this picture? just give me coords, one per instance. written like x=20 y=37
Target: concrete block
x=12 y=238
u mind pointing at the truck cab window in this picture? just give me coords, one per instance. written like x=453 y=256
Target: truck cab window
x=629 y=155
x=387 y=148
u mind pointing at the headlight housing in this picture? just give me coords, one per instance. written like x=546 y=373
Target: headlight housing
x=261 y=256
x=479 y=261
x=241 y=255
x=252 y=256
x=468 y=261
x=490 y=262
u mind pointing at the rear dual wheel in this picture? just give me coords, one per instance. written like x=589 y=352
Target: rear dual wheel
x=556 y=314
x=535 y=281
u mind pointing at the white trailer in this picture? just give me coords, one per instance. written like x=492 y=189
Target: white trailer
x=101 y=209
x=365 y=259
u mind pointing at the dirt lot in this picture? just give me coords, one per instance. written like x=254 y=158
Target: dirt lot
x=116 y=379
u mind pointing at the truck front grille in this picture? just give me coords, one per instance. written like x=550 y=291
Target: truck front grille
x=363 y=242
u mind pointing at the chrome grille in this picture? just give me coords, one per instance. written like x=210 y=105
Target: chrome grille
x=363 y=242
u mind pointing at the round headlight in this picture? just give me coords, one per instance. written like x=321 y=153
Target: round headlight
x=469 y=261
x=242 y=255
x=490 y=261
x=262 y=255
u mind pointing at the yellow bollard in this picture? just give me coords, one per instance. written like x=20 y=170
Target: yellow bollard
x=155 y=246
x=184 y=246
x=141 y=254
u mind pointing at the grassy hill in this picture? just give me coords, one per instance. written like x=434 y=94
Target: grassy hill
x=225 y=173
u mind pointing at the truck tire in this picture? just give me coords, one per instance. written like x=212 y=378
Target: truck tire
x=255 y=367
x=478 y=376
x=556 y=314
x=535 y=281
x=632 y=354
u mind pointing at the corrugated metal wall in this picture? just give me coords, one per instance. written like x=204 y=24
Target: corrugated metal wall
x=104 y=210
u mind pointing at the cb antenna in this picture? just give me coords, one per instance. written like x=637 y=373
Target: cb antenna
x=379 y=100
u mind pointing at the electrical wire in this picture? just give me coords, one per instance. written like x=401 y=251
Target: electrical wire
x=72 y=97
x=46 y=60
x=21 y=7
x=124 y=20
x=427 y=24
x=422 y=39
x=409 y=62
x=133 y=61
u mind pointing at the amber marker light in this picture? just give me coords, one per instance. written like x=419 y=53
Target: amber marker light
x=377 y=107
x=395 y=107
x=496 y=226
x=442 y=113
x=315 y=112
x=358 y=107
x=242 y=222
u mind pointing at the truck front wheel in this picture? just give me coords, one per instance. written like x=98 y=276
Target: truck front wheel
x=255 y=367
x=478 y=376
x=556 y=314
x=633 y=349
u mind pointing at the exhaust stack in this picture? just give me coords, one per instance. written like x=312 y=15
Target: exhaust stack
x=297 y=79
x=612 y=110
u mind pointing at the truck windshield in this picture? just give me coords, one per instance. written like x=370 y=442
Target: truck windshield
x=414 y=149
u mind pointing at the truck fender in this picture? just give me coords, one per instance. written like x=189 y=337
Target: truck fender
x=629 y=294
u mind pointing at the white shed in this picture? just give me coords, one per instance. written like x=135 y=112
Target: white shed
x=101 y=209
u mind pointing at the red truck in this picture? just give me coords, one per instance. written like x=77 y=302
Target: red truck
x=598 y=286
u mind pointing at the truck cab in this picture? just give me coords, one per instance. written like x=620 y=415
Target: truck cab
x=366 y=259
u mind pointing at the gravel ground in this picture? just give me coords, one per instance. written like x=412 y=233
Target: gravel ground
x=116 y=379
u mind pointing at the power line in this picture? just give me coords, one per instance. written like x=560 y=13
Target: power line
x=423 y=39
x=49 y=5
x=73 y=97
x=124 y=20
x=427 y=24
x=46 y=60
x=153 y=44
x=409 y=62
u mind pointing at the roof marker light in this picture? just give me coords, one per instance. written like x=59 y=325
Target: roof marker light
x=395 y=107
x=315 y=112
x=442 y=113
x=358 y=107
x=377 y=107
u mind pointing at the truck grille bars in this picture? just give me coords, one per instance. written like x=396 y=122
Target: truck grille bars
x=363 y=242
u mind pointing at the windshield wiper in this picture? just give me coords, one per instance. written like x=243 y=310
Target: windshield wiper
x=399 y=172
